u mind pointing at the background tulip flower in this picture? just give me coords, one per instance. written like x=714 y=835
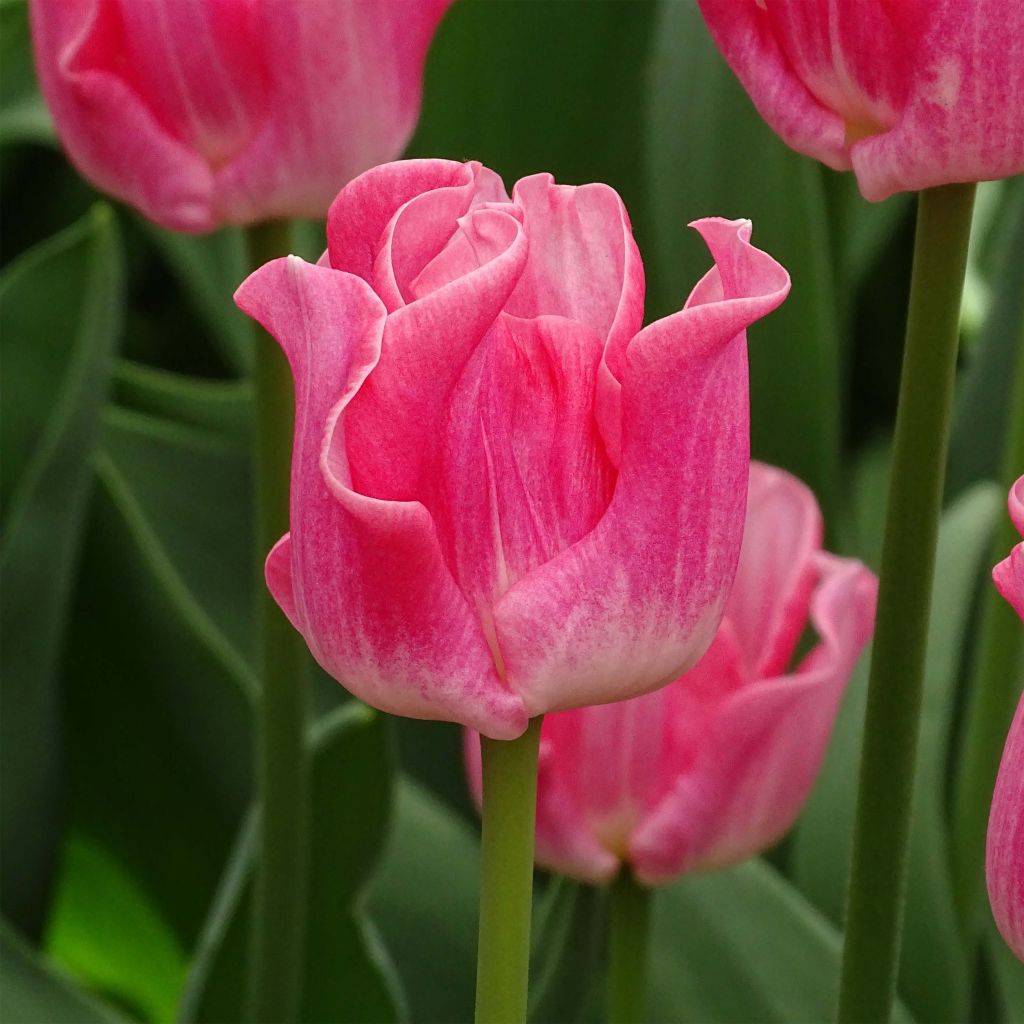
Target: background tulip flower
x=908 y=95
x=507 y=498
x=1005 y=848
x=205 y=112
x=714 y=767
x=1009 y=574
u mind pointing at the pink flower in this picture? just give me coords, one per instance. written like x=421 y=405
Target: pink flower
x=507 y=498
x=206 y=112
x=1004 y=860
x=1009 y=573
x=909 y=94
x=716 y=766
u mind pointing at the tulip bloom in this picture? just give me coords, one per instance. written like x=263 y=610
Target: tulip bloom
x=1009 y=574
x=206 y=112
x=907 y=94
x=1005 y=847
x=714 y=767
x=1004 y=860
x=506 y=497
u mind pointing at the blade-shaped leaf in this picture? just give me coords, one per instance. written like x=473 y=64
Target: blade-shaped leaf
x=61 y=309
x=32 y=992
x=348 y=976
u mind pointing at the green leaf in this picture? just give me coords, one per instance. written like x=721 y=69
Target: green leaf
x=23 y=115
x=703 y=139
x=1008 y=976
x=424 y=901
x=933 y=976
x=741 y=945
x=568 y=953
x=543 y=95
x=32 y=992
x=61 y=305
x=105 y=931
x=982 y=410
x=158 y=746
x=209 y=268
x=217 y=406
x=348 y=976
x=193 y=490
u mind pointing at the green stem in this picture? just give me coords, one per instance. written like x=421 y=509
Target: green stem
x=506 y=876
x=874 y=912
x=279 y=912
x=629 y=930
x=991 y=696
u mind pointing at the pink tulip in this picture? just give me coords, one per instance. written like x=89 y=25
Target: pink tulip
x=1009 y=573
x=206 y=112
x=909 y=94
x=1004 y=865
x=507 y=498
x=716 y=766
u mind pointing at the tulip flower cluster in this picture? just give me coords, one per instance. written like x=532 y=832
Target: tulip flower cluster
x=509 y=498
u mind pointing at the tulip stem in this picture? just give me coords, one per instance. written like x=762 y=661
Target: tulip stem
x=506 y=876
x=628 y=935
x=874 y=911
x=279 y=911
x=991 y=697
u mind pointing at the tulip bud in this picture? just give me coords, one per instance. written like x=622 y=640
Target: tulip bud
x=209 y=112
x=909 y=94
x=714 y=767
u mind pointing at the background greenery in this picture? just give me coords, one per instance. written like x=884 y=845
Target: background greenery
x=127 y=676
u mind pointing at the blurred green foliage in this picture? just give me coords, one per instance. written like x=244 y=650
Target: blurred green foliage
x=126 y=684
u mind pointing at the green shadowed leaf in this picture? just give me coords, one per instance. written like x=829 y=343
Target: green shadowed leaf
x=424 y=901
x=32 y=992
x=221 y=407
x=741 y=946
x=158 y=697
x=348 y=976
x=933 y=977
x=60 y=306
x=105 y=932
x=209 y=268
x=982 y=410
x=710 y=154
x=23 y=115
x=568 y=953
x=543 y=94
x=1008 y=976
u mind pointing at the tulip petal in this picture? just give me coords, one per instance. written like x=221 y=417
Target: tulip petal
x=584 y=265
x=1009 y=573
x=776 y=574
x=369 y=587
x=363 y=209
x=1004 y=855
x=112 y=135
x=392 y=425
x=746 y=37
x=957 y=124
x=762 y=745
x=348 y=102
x=630 y=606
x=522 y=472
